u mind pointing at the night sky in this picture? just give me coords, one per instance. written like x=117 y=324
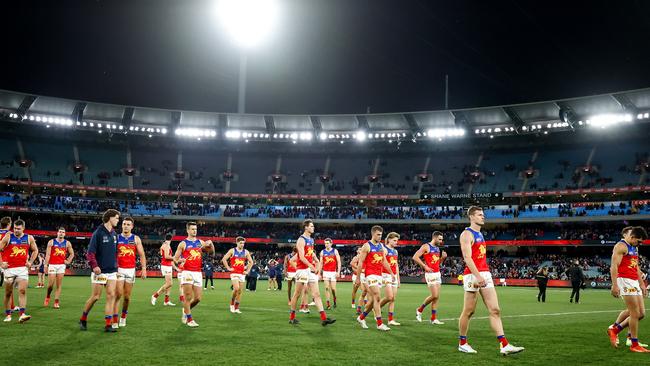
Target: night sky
x=327 y=56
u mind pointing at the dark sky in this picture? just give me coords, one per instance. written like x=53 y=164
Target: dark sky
x=328 y=56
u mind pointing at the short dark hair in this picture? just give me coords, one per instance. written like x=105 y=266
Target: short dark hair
x=376 y=228
x=626 y=229
x=168 y=236
x=239 y=239
x=5 y=221
x=472 y=210
x=639 y=233
x=190 y=223
x=307 y=223
x=60 y=228
x=109 y=214
x=436 y=233
x=328 y=239
x=129 y=218
x=19 y=222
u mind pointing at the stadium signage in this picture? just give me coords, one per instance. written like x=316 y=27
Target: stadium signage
x=459 y=195
x=565 y=192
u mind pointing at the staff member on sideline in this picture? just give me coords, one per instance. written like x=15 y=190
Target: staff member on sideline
x=542 y=281
x=577 y=277
x=102 y=258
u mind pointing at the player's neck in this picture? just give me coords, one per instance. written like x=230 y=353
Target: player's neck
x=475 y=227
x=374 y=242
x=306 y=234
x=124 y=233
x=108 y=226
x=192 y=238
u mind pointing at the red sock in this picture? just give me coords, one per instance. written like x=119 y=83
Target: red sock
x=232 y=301
x=421 y=308
x=56 y=301
x=155 y=295
x=363 y=315
x=182 y=298
x=21 y=312
x=433 y=314
x=84 y=316
x=236 y=305
x=379 y=322
x=502 y=339
x=12 y=303
x=107 y=320
x=323 y=316
x=292 y=315
x=462 y=340
x=189 y=317
x=115 y=318
x=390 y=316
x=166 y=298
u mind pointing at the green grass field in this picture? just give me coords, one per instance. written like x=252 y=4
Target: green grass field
x=554 y=332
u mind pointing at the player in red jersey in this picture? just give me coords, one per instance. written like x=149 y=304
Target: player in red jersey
x=290 y=271
x=306 y=268
x=58 y=254
x=433 y=256
x=391 y=283
x=477 y=279
x=626 y=271
x=330 y=270
x=16 y=264
x=238 y=262
x=167 y=267
x=5 y=227
x=191 y=249
x=127 y=245
x=373 y=255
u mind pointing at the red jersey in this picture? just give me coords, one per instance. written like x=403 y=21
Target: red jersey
x=391 y=257
x=238 y=261
x=374 y=262
x=192 y=255
x=290 y=267
x=329 y=260
x=432 y=259
x=3 y=232
x=16 y=253
x=126 y=251
x=59 y=251
x=309 y=253
x=479 y=251
x=163 y=254
x=629 y=266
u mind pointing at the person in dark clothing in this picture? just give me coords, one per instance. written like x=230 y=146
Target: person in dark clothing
x=208 y=270
x=278 y=275
x=577 y=277
x=542 y=281
x=251 y=278
x=102 y=258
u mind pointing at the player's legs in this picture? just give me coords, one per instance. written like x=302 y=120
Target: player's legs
x=333 y=290
x=315 y=294
x=22 y=293
x=388 y=298
x=298 y=292
x=187 y=297
x=469 y=306
x=9 y=289
x=289 y=286
x=328 y=288
x=51 y=281
x=94 y=297
x=304 y=298
x=355 y=288
x=110 y=308
x=236 y=293
x=391 y=305
x=119 y=293
x=197 y=295
x=637 y=312
x=489 y=296
x=59 y=284
x=126 y=300
x=374 y=304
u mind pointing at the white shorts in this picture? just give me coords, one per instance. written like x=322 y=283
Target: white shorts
x=470 y=286
x=179 y=273
x=166 y=270
x=374 y=280
x=126 y=274
x=56 y=269
x=629 y=287
x=329 y=276
x=238 y=277
x=192 y=278
x=306 y=276
x=432 y=278
x=16 y=273
x=291 y=276
x=363 y=279
x=102 y=278
x=388 y=280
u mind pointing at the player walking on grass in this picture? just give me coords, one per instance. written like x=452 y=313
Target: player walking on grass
x=102 y=258
x=16 y=246
x=306 y=269
x=433 y=256
x=5 y=227
x=58 y=254
x=391 y=283
x=626 y=274
x=191 y=249
x=373 y=255
x=331 y=269
x=127 y=245
x=290 y=272
x=167 y=270
x=477 y=279
x=238 y=262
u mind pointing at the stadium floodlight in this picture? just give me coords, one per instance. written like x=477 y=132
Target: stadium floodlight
x=248 y=21
x=322 y=136
x=361 y=135
x=609 y=119
x=306 y=136
x=233 y=134
x=439 y=133
x=192 y=132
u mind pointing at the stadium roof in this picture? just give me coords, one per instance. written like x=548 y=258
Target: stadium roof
x=558 y=115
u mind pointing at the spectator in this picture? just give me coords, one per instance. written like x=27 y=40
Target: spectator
x=542 y=281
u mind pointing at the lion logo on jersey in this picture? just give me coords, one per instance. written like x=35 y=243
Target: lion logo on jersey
x=126 y=252
x=393 y=261
x=194 y=255
x=435 y=258
x=377 y=258
x=634 y=263
x=239 y=262
x=329 y=259
x=15 y=252
x=481 y=251
x=59 y=251
x=310 y=251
